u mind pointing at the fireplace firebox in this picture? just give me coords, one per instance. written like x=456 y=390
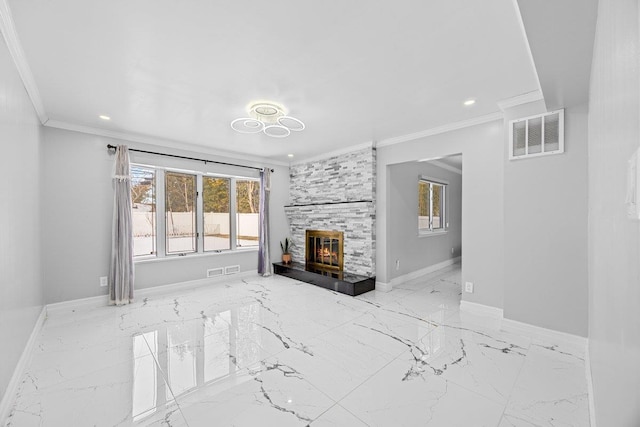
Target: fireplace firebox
x=324 y=249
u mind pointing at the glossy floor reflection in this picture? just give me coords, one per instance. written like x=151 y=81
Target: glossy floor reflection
x=276 y=352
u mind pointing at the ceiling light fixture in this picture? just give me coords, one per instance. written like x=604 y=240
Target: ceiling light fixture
x=290 y=155
x=269 y=118
x=469 y=102
x=103 y=117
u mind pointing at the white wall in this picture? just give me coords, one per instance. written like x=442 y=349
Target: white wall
x=482 y=148
x=77 y=227
x=413 y=250
x=614 y=239
x=21 y=292
x=545 y=230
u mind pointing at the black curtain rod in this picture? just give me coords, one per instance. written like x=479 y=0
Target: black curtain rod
x=113 y=148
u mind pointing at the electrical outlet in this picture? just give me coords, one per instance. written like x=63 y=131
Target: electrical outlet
x=468 y=287
x=397 y=264
x=103 y=281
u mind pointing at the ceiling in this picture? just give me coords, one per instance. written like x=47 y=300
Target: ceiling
x=453 y=161
x=182 y=71
x=561 y=36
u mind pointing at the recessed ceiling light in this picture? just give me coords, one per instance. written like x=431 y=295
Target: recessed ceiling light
x=289 y=155
x=469 y=102
x=103 y=117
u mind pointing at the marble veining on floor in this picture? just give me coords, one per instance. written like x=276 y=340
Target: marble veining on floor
x=277 y=352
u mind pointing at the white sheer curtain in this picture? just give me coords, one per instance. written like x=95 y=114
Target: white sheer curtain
x=264 y=258
x=121 y=269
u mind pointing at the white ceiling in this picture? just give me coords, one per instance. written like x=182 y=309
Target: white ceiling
x=453 y=161
x=353 y=73
x=561 y=36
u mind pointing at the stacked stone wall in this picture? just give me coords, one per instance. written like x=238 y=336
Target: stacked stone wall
x=336 y=194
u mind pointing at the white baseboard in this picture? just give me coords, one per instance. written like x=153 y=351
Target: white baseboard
x=592 y=405
x=419 y=273
x=383 y=287
x=165 y=289
x=544 y=333
x=90 y=302
x=481 y=309
x=12 y=388
x=103 y=300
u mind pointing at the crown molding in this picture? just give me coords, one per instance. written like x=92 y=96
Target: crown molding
x=441 y=129
x=8 y=30
x=525 y=98
x=446 y=166
x=160 y=142
x=334 y=153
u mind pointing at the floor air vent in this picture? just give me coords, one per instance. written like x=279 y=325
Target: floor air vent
x=232 y=269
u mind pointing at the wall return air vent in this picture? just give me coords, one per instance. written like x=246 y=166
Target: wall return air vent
x=232 y=269
x=213 y=272
x=535 y=136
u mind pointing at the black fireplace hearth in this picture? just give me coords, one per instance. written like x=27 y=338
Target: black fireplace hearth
x=339 y=281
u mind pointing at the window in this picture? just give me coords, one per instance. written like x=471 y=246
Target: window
x=202 y=212
x=180 y=212
x=431 y=206
x=247 y=212
x=143 y=204
x=217 y=213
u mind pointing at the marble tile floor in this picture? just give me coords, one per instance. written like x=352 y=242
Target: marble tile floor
x=277 y=352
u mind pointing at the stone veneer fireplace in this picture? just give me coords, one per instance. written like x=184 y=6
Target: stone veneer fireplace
x=336 y=194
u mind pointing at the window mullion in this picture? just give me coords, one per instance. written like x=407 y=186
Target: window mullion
x=443 y=208
x=430 y=207
x=161 y=243
x=526 y=138
x=199 y=216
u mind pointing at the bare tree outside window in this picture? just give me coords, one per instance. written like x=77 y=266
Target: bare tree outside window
x=217 y=217
x=194 y=221
x=180 y=206
x=431 y=206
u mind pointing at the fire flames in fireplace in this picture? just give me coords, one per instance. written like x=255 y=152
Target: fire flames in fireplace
x=324 y=253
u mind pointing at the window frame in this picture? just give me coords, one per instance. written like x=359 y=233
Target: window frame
x=154 y=185
x=443 y=206
x=160 y=195
x=237 y=214
x=231 y=212
x=196 y=240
